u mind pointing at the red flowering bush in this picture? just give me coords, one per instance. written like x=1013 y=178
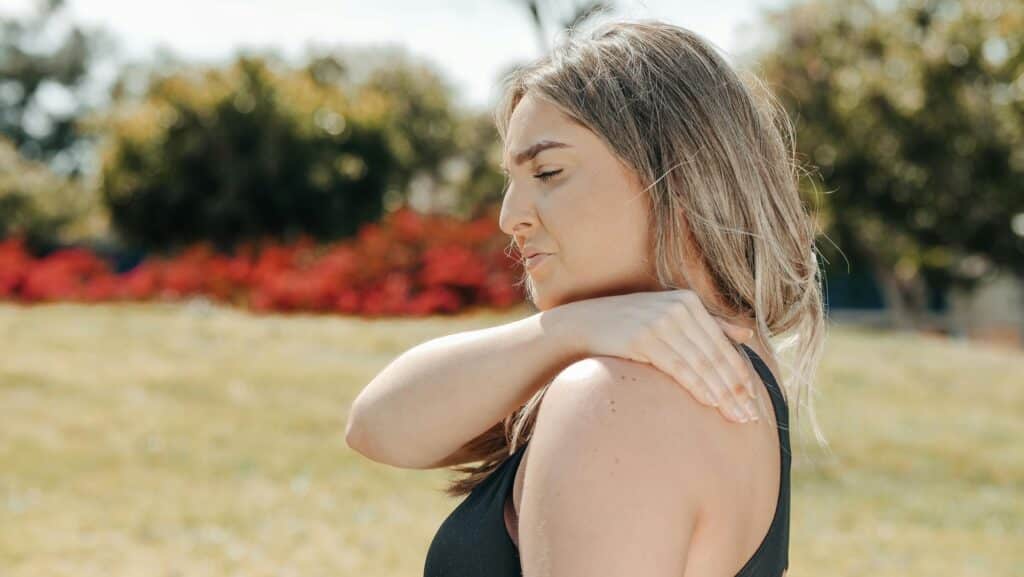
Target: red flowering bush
x=408 y=264
x=14 y=264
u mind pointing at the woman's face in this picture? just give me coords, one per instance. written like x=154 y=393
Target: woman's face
x=590 y=214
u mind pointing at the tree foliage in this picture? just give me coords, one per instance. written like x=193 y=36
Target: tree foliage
x=913 y=112
x=40 y=205
x=32 y=73
x=246 y=151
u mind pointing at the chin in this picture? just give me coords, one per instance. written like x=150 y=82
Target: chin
x=541 y=300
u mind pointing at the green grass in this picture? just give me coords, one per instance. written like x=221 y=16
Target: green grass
x=142 y=439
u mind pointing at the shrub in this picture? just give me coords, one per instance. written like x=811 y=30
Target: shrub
x=245 y=152
x=408 y=264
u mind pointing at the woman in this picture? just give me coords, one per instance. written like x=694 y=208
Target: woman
x=654 y=182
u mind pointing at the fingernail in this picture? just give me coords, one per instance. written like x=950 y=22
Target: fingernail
x=751 y=410
x=738 y=415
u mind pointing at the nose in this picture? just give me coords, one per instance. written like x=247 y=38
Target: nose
x=517 y=213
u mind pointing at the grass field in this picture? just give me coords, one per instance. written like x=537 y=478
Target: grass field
x=190 y=440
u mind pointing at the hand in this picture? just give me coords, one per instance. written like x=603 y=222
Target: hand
x=673 y=331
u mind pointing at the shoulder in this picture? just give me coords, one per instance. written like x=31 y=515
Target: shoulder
x=621 y=403
x=616 y=464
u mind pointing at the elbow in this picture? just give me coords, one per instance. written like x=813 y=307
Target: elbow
x=358 y=438
x=355 y=436
x=351 y=435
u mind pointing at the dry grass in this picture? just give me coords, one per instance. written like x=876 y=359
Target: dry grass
x=165 y=440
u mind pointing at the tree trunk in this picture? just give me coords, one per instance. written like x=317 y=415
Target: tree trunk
x=900 y=317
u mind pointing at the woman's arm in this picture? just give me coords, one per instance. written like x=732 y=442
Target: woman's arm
x=423 y=409
x=433 y=399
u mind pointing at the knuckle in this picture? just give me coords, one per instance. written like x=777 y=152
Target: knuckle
x=640 y=339
x=680 y=311
x=679 y=367
x=703 y=364
x=663 y=324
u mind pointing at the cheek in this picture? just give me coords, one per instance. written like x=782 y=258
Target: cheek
x=578 y=224
x=614 y=221
x=597 y=223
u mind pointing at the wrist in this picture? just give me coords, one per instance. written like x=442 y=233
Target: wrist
x=561 y=326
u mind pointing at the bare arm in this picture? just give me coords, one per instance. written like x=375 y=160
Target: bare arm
x=433 y=399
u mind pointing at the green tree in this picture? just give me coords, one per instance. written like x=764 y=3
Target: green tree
x=420 y=117
x=480 y=184
x=251 y=150
x=32 y=74
x=913 y=113
x=41 y=205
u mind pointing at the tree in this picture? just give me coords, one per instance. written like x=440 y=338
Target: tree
x=419 y=117
x=43 y=206
x=914 y=116
x=30 y=75
x=251 y=150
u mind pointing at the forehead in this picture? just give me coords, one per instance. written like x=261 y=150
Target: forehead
x=536 y=119
x=532 y=109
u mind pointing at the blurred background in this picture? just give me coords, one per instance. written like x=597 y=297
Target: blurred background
x=184 y=184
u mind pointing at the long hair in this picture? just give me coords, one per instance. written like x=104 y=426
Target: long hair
x=716 y=154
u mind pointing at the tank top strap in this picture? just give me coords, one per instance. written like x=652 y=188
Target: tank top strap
x=779 y=404
x=772 y=555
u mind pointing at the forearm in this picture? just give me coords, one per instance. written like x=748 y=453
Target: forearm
x=439 y=395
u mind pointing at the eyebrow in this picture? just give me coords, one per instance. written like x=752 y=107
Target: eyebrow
x=533 y=150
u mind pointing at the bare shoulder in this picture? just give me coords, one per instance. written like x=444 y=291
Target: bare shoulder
x=653 y=401
x=615 y=473
x=617 y=406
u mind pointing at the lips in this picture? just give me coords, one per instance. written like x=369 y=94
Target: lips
x=533 y=256
x=528 y=252
x=534 y=259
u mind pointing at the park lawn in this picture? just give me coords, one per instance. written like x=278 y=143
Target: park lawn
x=193 y=439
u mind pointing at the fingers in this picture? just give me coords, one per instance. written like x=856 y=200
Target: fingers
x=740 y=373
x=709 y=371
x=708 y=337
x=669 y=362
x=735 y=332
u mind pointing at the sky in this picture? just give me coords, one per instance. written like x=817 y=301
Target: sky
x=470 y=41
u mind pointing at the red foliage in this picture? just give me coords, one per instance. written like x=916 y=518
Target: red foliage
x=408 y=264
x=63 y=275
x=14 y=263
x=452 y=265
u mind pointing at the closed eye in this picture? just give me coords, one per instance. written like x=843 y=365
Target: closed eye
x=544 y=176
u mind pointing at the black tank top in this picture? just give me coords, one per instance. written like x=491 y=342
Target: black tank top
x=473 y=540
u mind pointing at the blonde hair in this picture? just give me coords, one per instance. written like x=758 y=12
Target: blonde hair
x=707 y=145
